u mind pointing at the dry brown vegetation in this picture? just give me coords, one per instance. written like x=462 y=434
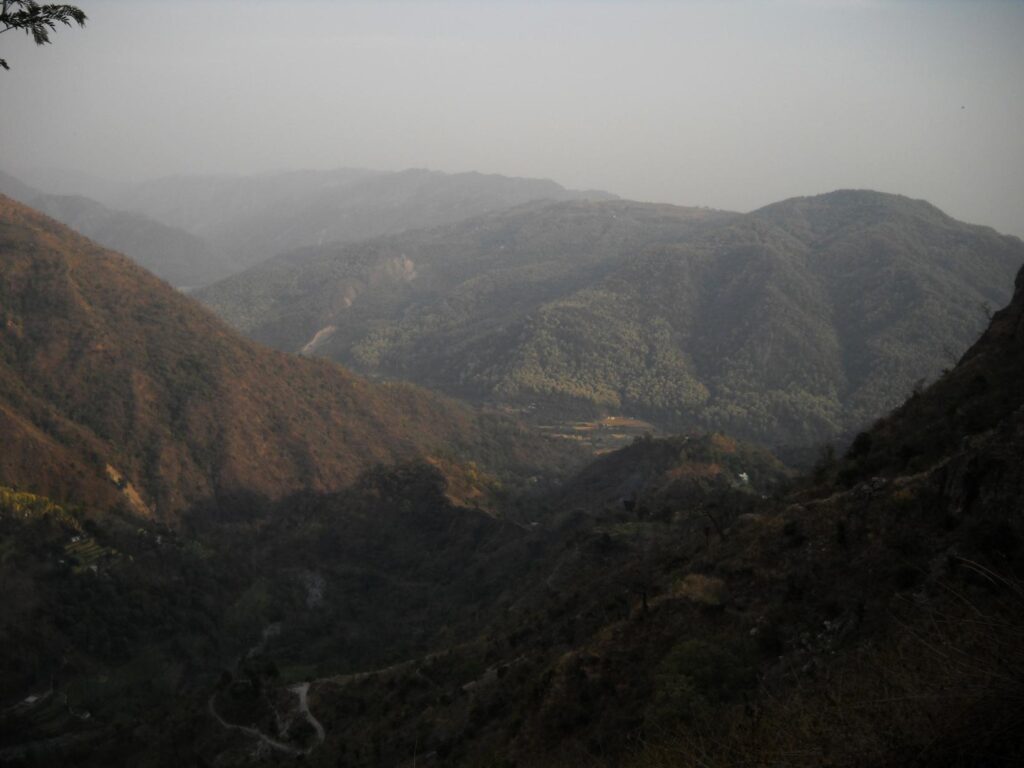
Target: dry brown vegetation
x=102 y=363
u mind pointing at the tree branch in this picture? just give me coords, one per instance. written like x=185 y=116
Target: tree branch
x=37 y=20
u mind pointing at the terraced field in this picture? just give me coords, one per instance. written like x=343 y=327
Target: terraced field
x=601 y=435
x=88 y=553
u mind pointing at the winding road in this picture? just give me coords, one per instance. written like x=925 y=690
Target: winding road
x=302 y=691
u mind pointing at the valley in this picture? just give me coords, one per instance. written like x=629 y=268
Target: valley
x=511 y=384
x=215 y=553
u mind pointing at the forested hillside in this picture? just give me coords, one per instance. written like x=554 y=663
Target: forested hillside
x=476 y=276
x=794 y=324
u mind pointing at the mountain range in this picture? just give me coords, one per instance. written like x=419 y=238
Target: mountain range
x=251 y=218
x=684 y=597
x=192 y=230
x=213 y=553
x=797 y=323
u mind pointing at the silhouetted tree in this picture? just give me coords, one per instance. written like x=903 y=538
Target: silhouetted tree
x=37 y=20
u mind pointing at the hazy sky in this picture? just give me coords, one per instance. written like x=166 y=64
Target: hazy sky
x=727 y=104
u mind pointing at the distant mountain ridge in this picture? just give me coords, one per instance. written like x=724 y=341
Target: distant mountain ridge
x=796 y=323
x=177 y=256
x=252 y=218
x=193 y=230
x=17 y=189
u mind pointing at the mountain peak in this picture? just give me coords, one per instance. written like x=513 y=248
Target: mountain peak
x=818 y=216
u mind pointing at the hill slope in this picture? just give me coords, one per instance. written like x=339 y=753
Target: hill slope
x=111 y=381
x=475 y=276
x=793 y=324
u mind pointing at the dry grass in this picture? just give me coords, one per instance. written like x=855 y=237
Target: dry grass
x=945 y=687
x=698 y=588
